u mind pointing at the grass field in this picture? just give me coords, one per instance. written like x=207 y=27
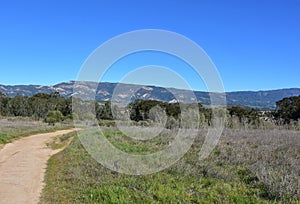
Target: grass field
x=248 y=166
x=13 y=128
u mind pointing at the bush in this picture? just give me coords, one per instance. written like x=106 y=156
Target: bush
x=53 y=117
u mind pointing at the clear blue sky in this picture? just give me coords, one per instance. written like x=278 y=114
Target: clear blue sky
x=254 y=44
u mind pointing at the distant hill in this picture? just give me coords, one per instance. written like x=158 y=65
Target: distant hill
x=104 y=90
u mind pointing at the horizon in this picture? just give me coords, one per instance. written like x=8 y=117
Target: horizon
x=51 y=85
x=254 y=45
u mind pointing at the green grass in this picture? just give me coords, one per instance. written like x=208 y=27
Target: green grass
x=61 y=141
x=129 y=145
x=74 y=177
x=5 y=137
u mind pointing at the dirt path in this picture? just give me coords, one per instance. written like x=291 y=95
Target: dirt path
x=22 y=168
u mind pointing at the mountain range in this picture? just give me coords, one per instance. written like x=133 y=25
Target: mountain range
x=106 y=91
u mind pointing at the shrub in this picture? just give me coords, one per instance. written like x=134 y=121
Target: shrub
x=53 y=117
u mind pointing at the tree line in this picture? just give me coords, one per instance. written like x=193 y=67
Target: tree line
x=54 y=108
x=51 y=107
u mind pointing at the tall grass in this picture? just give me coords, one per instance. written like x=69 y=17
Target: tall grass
x=247 y=166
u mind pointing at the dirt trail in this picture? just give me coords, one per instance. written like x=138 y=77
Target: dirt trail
x=22 y=168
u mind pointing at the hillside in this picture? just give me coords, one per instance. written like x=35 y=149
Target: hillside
x=258 y=99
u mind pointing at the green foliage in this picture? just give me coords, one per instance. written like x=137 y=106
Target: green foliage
x=54 y=117
x=19 y=106
x=140 y=109
x=36 y=106
x=243 y=117
x=147 y=112
x=95 y=184
x=74 y=177
x=288 y=109
x=3 y=104
x=103 y=111
x=5 y=137
x=166 y=113
x=107 y=123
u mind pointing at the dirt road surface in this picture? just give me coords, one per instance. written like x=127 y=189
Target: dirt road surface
x=22 y=168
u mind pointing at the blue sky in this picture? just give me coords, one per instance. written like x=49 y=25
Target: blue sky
x=255 y=45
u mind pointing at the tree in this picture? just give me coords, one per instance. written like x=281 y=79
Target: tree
x=53 y=117
x=288 y=109
x=65 y=106
x=19 y=106
x=243 y=116
x=103 y=111
x=3 y=104
x=38 y=106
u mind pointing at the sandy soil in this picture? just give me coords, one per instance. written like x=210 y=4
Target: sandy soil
x=22 y=168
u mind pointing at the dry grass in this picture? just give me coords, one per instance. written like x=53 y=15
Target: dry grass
x=15 y=127
x=247 y=166
x=271 y=156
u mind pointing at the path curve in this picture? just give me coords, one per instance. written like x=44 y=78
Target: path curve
x=22 y=168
